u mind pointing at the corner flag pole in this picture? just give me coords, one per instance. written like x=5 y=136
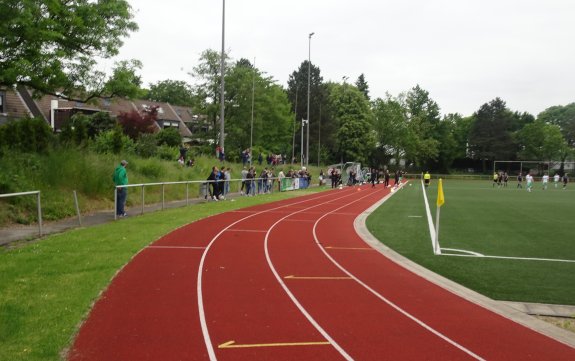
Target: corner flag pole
x=440 y=201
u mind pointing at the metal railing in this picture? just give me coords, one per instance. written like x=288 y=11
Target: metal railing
x=203 y=189
x=38 y=204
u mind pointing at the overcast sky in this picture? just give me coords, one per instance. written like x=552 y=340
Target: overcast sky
x=464 y=52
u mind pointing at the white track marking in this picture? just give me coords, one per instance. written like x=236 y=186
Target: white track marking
x=292 y=296
x=384 y=299
x=202 y=315
x=512 y=258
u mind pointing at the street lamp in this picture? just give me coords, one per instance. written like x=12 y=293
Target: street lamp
x=222 y=134
x=308 y=92
x=253 y=97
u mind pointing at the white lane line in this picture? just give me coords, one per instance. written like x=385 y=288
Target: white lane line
x=384 y=299
x=292 y=296
x=202 y=315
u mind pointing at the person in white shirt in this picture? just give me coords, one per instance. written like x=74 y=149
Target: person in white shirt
x=529 y=179
x=556 y=179
x=545 y=181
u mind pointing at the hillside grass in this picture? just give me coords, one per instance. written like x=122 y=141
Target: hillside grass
x=58 y=174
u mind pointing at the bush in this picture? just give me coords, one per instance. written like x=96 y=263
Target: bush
x=30 y=135
x=170 y=137
x=113 y=142
x=75 y=131
x=146 y=146
x=167 y=153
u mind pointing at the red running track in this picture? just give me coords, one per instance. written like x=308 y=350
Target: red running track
x=291 y=280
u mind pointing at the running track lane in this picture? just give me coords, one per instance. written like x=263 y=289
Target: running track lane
x=291 y=281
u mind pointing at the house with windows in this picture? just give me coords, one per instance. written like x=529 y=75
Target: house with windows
x=18 y=103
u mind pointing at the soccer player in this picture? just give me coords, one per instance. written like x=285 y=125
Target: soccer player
x=495 y=176
x=519 y=180
x=565 y=181
x=545 y=181
x=556 y=178
x=529 y=179
x=426 y=179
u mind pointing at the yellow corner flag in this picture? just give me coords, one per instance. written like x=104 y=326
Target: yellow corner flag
x=440 y=197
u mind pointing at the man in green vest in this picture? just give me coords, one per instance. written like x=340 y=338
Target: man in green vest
x=120 y=178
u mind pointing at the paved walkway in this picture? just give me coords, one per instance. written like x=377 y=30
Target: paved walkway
x=24 y=233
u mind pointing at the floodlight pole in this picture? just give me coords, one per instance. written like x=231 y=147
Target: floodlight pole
x=222 y=132
x=308 y=93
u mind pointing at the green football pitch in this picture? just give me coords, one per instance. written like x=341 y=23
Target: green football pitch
x=506 y=243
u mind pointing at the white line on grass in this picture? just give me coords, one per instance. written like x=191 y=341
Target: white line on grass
x=429 y=220
x=512 y=258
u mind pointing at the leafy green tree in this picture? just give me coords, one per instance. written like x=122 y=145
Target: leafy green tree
x=490 y=136
x=99 y=123
x=53 y=46
x=350 y=110
x=169 y=136
x=541 y=141
x=361 y=85
x=390 y=125
x=207 y=96
x=272 y=120
x=175 y=92
x=423 y=128
x=297 y=87
x=564 y=118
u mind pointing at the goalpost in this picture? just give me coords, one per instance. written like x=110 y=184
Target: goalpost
x=534 y=167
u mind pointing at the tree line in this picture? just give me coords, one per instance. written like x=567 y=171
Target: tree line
x=52 y=48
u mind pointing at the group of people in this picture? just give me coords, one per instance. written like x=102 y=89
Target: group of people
x=501 y=178
x=252 y=183
x=219 y=180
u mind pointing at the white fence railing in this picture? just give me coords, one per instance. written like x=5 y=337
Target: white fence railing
x=203 y=188
x=38 y=204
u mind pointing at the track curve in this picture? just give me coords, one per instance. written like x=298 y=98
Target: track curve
x=291 y=280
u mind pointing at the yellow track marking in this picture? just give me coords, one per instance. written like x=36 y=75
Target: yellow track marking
x=232 y=344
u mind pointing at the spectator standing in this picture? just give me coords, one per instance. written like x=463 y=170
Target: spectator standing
x=244 y=181
x=121 y=179
x=212 y=179
x=228 y=177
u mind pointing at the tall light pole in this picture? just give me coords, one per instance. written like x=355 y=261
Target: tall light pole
x=308 y=93
x=222 y=133
x=294 y=121
x=253 y=97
